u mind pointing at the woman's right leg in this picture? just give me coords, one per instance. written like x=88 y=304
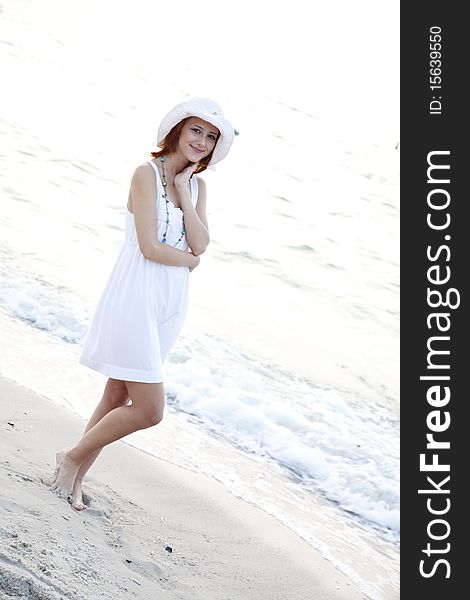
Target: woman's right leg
x=115 y=394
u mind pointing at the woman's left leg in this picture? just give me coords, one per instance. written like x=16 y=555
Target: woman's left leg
x=145 y=410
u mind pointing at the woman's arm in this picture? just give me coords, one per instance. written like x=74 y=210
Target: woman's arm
x=195 y=218
x=143 y=194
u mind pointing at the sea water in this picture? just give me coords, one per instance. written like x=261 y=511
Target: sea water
x=284 y=382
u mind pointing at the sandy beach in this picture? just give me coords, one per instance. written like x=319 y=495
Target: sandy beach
x=153 y=530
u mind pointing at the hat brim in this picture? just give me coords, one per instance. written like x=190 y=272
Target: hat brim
x=192 y=108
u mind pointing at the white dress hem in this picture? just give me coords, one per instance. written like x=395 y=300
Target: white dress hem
x=121 y=373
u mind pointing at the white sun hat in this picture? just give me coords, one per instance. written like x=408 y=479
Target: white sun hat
x=207 y=110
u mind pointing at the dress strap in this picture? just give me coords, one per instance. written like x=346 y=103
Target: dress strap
x=154 y=166
x=194 y=189
x=157 y=176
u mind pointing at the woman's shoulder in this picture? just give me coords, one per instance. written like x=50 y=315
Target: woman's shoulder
x=143 y=178
x=146 y=166
x=144 y=170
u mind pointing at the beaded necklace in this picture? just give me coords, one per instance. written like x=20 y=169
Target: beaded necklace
x=165 y=195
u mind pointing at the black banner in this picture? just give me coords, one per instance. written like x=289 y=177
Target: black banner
x=434 y=301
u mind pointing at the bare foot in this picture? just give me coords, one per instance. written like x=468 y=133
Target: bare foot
x=63 y=484
x=78 y=503
x=59 y=457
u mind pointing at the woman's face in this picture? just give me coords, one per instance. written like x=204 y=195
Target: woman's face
x=197 y=139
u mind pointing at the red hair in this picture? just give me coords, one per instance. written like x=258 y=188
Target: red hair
x=170 y=145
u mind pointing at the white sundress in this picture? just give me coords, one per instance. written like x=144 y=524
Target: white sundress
x=143 y=306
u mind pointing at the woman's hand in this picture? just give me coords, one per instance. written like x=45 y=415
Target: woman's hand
x=182 y=179
x=197 y=260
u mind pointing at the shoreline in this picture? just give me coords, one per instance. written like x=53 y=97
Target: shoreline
x=221 y=547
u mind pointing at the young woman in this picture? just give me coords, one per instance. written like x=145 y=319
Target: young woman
x=143 y=306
